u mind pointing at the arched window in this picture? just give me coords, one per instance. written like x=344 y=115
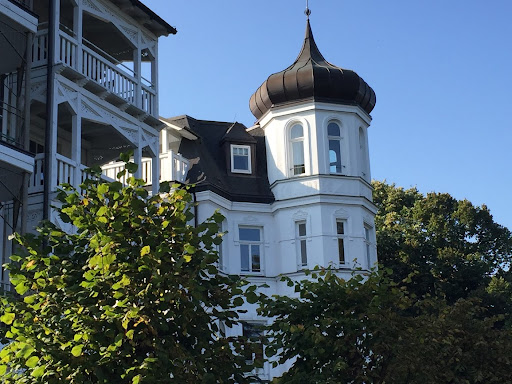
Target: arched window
x=297 y=150
x=334 y=135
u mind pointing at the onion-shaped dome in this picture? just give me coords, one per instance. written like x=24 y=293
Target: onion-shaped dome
x=311 y=77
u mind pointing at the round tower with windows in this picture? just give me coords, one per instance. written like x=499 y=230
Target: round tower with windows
x=315 y=118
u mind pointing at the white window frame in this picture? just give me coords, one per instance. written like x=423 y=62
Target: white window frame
x=261 y=372
x=343 y=238
x=251 y=243
x=249 y=162
x=339 y=140
x=368 y=244
x=301 y=240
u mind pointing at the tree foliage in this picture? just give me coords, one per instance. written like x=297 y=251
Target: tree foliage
x=133 y=296
x=437 y=311
x=454 y=249
x=371 y=330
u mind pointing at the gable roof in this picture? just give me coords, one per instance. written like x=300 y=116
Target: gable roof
x=209 y=168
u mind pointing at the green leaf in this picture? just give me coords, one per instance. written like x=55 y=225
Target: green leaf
x=145 y=250
x=102 y=189
x=77 y=350
x=102 y=211
x=32 y=362
x=131 y=167
x=136 y=379
x=3 y=369
x=190 y=249
x=7 y=318
x=39 y=371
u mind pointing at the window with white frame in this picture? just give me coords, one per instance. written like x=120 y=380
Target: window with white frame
x=301 y=243
x=334 y=137
x=251 y=246
x=298 y=166
x=241 y=159
x=253 y=346
x=340 y=234
x=367 y=242
x=362 y=152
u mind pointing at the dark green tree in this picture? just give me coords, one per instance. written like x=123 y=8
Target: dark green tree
x=454 y=249
x=437 y=311
x=132 y=296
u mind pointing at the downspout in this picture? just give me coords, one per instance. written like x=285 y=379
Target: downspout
x=26 y=133
x=48 y=138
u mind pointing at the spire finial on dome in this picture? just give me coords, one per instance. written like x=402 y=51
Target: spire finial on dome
x=307 y=12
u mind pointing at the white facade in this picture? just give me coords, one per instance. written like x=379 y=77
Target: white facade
x=300 y=229
x=88 y=99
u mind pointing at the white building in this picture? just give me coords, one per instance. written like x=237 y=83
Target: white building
x=71 y=98
x=294 y=188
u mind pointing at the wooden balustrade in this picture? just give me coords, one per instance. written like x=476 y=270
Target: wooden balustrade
x=96 y=67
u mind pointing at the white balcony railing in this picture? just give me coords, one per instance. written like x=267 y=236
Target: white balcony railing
x=97 y=68
x=67 y=171
x=173 y=167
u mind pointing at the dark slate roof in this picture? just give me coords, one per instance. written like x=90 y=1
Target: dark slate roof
x=237 y=133
x=311 y=77
x=209 y=169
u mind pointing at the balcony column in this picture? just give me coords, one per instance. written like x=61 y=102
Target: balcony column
x=76 y=146
x=154 y=81
x=155 y=177
x=56 y=32
x=137 y=158
x=137 y=68
x=77 y=30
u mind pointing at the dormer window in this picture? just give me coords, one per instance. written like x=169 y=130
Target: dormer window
x=241 y=159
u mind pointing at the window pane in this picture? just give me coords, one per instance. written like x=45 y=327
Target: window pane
x=255 y=253
x=340 y=230
x=298 y=157
x=303 y=252
x=296 y=131
x=241 y=162
x=367 y=234
x=334 y=156
x=333 y=129
x=249 y=234
x=341 y=251
x=244 y=252
x=302 y=229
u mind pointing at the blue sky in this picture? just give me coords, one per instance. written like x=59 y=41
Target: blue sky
x=442 y=72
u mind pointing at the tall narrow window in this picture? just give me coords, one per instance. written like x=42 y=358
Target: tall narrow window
x=250 y=249
x=301 y=242
x=297 y=150
x=340 y=232
x=253 y=347
x=240 y=159
x=334 y=135
x=367 y=238
x=362 y=152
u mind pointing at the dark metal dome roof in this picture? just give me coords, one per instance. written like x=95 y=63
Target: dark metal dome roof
x=312 y=77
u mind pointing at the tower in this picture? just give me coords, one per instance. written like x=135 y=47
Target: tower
x=315 y=117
